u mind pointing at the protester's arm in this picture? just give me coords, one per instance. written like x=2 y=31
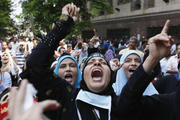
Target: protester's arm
x=38 y=63
x=159 y=46
x=132 y=92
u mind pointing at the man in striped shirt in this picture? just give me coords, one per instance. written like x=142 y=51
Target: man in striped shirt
x=21 y=55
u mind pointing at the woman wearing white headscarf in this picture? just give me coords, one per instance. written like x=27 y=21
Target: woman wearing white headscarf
x=130 y=62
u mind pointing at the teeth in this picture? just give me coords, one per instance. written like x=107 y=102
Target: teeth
x=96 y=78
x=68 y=75
x=96 y=69
x=131 y=70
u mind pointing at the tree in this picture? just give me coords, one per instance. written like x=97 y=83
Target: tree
x=43 y=13
x=4 y=16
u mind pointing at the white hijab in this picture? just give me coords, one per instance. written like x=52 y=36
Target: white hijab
x=121 y=78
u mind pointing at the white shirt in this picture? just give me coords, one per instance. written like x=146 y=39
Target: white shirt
x=172 y=63
x=14 y=46
x=30 y=45
x=163 y=64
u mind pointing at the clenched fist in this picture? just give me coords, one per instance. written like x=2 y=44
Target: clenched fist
x=71 y=10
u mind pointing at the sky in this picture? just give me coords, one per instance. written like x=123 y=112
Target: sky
x=17 y=10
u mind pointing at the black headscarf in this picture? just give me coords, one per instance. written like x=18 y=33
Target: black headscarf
x=109 y=90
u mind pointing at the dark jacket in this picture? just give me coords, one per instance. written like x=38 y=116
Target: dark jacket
x=166 y=84
x=155 y=107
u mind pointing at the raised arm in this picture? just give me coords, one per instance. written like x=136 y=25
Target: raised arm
x=159 y=46
x=130 y=100
x=38 y=63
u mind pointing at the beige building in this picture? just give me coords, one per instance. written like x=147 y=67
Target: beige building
x=142 y=18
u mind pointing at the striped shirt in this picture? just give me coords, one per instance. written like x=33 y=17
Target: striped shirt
x=20 y=59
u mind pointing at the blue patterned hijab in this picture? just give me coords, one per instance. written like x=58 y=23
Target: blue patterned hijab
x=79 y=77
x=121 y=78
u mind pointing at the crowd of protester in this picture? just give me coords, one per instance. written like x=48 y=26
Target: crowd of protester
x=90 y=79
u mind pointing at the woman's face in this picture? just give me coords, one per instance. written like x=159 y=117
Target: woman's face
x=68 y=70
x=131 y=63
x=97 y=74
x=5 y=58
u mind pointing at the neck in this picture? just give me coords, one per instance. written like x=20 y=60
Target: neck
x=132 y=48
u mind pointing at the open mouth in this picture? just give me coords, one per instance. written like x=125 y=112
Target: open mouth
x=68 y=77
x=97 y=74
x=4 y=60
x=131 y=70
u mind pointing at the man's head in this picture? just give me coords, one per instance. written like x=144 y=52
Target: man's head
x=133 y=43
x=96 y=73
x=4 y=46
x=9 y=46
x=21 y=46
x=84 y=45
x=14 y=39
x=69 y=48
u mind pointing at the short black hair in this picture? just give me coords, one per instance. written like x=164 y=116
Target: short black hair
x=134 y=38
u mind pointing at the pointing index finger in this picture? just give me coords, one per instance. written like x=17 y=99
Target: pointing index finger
x=166 y=27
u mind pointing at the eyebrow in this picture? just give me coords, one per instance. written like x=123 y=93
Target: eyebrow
x=67 y=63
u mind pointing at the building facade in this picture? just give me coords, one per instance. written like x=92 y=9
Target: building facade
x=141 y=18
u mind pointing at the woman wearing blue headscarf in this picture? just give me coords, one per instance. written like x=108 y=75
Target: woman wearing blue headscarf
x=130 y=62
x=68 y=69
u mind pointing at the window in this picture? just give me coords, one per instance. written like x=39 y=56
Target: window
x=118 y=33
x=166 y=1
x=120 y=2
x=135 y=5
x=148 y=4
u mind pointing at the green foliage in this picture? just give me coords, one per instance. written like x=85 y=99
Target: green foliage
x=4 y=16
x=101 y=6
x=41 y=14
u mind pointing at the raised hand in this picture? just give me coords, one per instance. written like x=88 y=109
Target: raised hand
x=75 y=53
x=71 y=10
x=35 y=112
x=159 y=47
x=160 y=44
